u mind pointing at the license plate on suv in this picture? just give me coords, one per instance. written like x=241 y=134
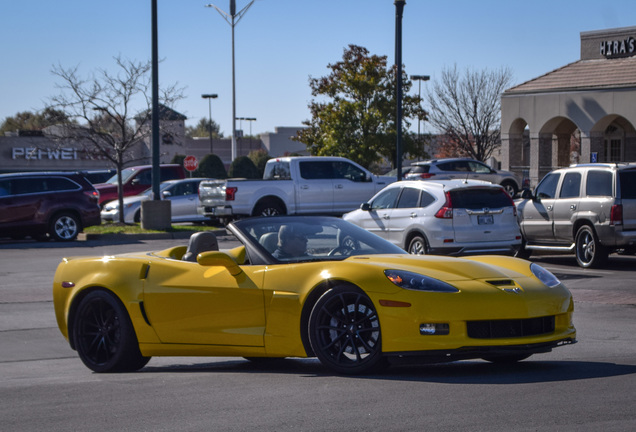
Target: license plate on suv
x=485 y=219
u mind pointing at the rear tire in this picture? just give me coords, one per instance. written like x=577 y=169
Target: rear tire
x=65 y=227
x=589 y=251
x=418 y=246
x=269 y=208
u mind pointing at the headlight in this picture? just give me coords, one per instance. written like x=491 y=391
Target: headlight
x=418 y=282
x=544 y=275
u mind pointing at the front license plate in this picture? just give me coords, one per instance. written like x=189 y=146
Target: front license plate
x=485 y=220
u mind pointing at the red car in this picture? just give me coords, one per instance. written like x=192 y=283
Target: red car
x=136 y=180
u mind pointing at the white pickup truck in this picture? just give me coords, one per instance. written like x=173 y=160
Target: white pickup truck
x=292 y=185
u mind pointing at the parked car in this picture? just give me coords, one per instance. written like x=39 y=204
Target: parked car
x=448 y=217
x=325 y=185
x=43 y=205
x=463 y=168
x=183 y=196
x=355 y=308
x=587 y=209
x=136 y=180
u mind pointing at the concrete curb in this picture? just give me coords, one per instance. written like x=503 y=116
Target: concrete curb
x=180 y=235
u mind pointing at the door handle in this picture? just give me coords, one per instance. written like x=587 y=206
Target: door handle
x=413 y=215
x=549 y=207
x=573 y=207
x=385 y=216
x=339 y=186
x=304 y=187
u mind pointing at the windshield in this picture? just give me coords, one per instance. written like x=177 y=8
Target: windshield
x=125 y=175
x=304 y=238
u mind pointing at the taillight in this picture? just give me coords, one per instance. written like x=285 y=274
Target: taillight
x=446 y=212
x=93 y=194
x=512 y=203
x=426 y=175
x=616 y=214
x=230 y=193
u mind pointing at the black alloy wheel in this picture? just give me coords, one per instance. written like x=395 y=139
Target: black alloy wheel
x=104 y=336
x=269 y=208
x=344 y=331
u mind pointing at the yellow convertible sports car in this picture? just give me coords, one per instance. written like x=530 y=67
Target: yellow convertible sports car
x=307 y=286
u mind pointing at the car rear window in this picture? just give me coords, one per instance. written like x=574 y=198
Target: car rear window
x=628 y=184
x=479 y=198
x=416 y=169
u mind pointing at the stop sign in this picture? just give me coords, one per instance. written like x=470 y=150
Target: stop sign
x=190 y=163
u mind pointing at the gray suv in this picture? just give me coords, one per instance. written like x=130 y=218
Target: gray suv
x=588 y=209
x=463 y=169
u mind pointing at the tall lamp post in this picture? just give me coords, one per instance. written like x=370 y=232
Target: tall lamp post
x=249 y=119
x=419 y=78
x=209 y=97
x=399 y=9
x=233 y=19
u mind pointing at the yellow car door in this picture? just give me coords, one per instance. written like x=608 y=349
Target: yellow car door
x=188 y=303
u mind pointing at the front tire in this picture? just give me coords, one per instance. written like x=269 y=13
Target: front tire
x=510 y=188
x=65 y=227
x=344 y=331
x=589 y=251
x=104 y=336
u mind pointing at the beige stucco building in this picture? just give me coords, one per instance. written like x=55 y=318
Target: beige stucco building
x=582 y=112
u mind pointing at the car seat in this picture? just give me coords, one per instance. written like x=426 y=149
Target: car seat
x=204 y=241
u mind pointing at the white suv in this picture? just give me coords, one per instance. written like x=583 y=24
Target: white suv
x=450 y=217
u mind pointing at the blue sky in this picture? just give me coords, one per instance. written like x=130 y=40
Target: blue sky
x=281 y=43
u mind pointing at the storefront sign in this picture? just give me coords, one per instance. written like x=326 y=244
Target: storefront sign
x=32 y=153
x=625 y=47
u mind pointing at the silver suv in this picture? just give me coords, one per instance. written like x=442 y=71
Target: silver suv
x=587 y=209
x=463 y=169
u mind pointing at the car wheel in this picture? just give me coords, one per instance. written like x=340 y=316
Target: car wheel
x=589 y=251
x=269 y=208
x=344 y=331
x=511 y=358
x=104 y=336
x=65 y=227
x=418 y=246
x=510 y=188
x=137 y=217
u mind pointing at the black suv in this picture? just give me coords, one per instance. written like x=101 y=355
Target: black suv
x=47 y=204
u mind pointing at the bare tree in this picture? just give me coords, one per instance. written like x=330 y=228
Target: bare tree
x=467 y=109
x=101 y=112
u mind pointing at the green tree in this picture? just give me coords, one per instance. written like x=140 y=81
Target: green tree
x=211 y=166
x=33 y=121
x=202 y=129
x=243 y=167
x=466 y=109
x=260 y=158
x=356 y=114
x=104 y=103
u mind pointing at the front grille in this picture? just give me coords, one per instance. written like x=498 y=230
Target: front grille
x=510 y=328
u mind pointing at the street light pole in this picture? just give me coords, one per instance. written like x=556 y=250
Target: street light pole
x=249 y=119
x=419 y=79
x=399 y=9
x=209 y=97
x=233 y=19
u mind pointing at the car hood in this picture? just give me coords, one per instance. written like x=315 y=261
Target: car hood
x=452 y=268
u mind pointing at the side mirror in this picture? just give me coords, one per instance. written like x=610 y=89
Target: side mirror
x=527 y=194
x=166 y=194
x=215 y=258
x=365 y=206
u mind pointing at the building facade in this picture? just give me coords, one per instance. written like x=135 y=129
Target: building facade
x=582 y=112
x=38 y=151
